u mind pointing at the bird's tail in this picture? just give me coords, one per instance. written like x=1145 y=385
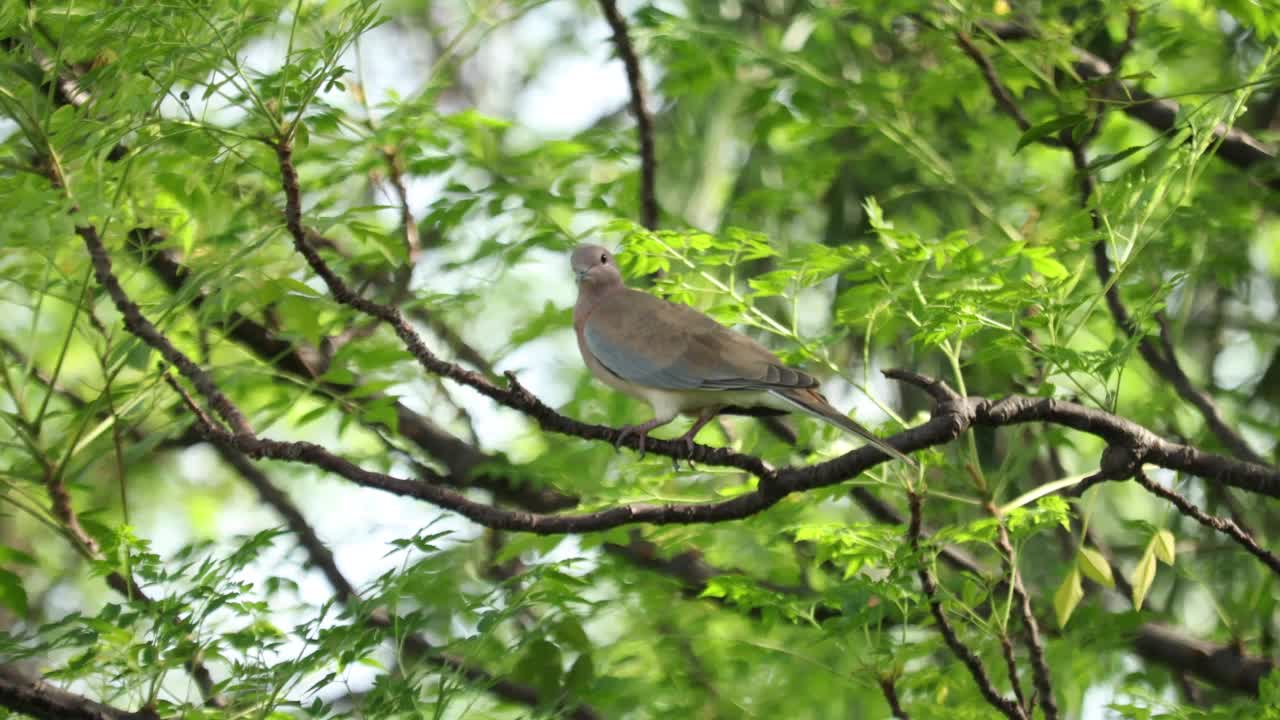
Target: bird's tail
x=810 y=402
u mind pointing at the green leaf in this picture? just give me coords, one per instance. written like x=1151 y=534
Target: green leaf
x=1143 y=575
x=1131 y=712
x=1043 y=262
x=1103 y=161
x=541 y=667
x=14 y=556
x=12 y=594
x=337 y=374
x=771 y=283
x=1095 y=567
x=1067 y=597
x=1269 y=689
x=570 y=633
x=1165 y=546
x=382 y=412
x=581 y=676
x=1044 y=129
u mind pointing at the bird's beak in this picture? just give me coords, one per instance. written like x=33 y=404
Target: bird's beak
x=579 y=275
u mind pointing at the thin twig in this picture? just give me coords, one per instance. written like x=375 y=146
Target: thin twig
x=1226 y=527
x=124 y=584
x=144 y=330
x=395 y=174
x=644 y=124
x=321 y=556
x=1231 y=144
x=1220 y=664
x=1164 y=364
x=60 y=501
x=1009 y=708
x=889 y=688
x=1132 y=16
x=308 y=364
x=1011 y=666
x=1035 y=646
x=998 y=91
x=1146 y=446
x=1173 y=372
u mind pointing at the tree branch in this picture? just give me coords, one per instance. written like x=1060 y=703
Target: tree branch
x=145 y=331
x=1226 y=527
x=307 y=364
x=320 y=556
x=1152 y=641
x=1035 y=646
x=1233 y=145
x=40 y=699
x=1009 y=708
x=1222 y=665
x=1011 y=666
x=1117 y=431
x=998 y=91
x=122 y=583
x=952 y=418
x=889 y=688
x=1164 y=364
x=644 y=124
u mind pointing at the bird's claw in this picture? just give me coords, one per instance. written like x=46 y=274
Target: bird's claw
x=688 y=450
x=626 y=430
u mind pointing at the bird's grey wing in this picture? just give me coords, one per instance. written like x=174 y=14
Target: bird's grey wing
x=651 y=342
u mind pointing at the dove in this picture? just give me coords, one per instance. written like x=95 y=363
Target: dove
x=680 y=361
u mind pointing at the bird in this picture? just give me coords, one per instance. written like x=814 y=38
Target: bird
x=680 y=361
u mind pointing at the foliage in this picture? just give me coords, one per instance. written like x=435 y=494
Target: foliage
x=842 y=181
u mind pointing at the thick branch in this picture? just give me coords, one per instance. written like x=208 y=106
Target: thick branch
x=1147 y=446
x=1154 y=642
x=952 y=418
x=1165 y=364
x=39 y=699
x=1234 y=145
x=1222 y=665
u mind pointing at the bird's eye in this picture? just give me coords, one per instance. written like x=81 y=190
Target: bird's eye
x=604 y=259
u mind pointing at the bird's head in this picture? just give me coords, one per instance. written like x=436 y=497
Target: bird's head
x=594 y=267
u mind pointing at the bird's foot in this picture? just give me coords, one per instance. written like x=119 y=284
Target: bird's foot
x=687 y=439
x=641 y=430
x=703 y=418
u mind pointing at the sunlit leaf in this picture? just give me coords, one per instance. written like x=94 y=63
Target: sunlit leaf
x=1143 y=575
x=1095 y=567
x=1067 y=597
